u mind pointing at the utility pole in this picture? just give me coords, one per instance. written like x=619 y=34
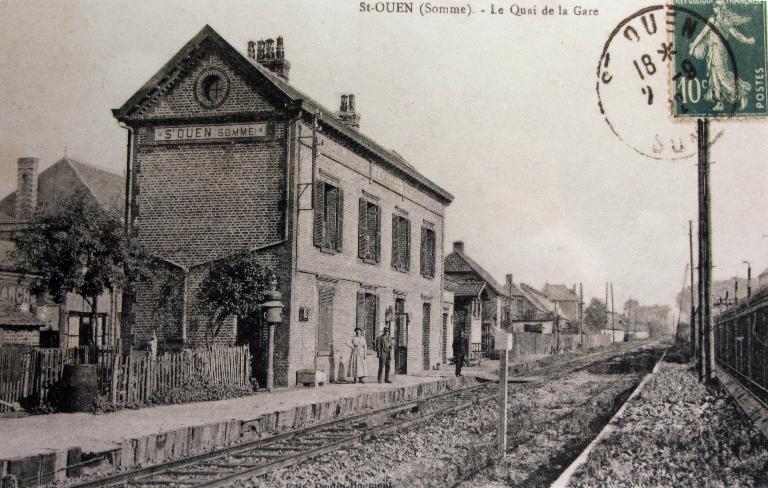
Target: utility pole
x=705 y=253
x=749 y=280
x=629 y=318
x=503 y=388
x=692 y=320
x=581 y=314
x=608 y=315
x=613 y=314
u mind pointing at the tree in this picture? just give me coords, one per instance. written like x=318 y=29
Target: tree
x=81 y=248
x=595 y=316
x=234 y=286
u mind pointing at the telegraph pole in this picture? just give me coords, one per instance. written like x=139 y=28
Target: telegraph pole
x=581 y=314
x=705 y=253
x=608 y=315
x=613 y=314
x=692 y=320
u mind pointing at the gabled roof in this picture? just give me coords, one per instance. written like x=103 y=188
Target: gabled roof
x=106 y=187
x=292 y=98
x=458 y=262
x=469 y=289
x=10 y=316
x=559 y=293
x=537 y=299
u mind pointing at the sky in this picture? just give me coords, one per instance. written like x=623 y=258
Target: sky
x=500 y=110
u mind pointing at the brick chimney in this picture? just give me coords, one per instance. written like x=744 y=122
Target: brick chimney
x=270 y=53
x=347 y=112
x=26 y=189
x=510 y=280
x=458 y=246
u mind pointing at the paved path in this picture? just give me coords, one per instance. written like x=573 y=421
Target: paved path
x=26 y=436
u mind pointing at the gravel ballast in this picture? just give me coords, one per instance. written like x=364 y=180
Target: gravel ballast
x=677 y=432
x=548 y=425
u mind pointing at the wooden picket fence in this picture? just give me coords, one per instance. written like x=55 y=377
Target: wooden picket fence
x=27 y=374
x=135 y=376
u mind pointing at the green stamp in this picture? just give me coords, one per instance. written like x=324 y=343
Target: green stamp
x=720 y=62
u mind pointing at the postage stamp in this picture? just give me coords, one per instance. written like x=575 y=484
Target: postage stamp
x=720 y=58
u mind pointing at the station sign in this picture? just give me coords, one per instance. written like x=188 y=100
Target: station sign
x=208 y=132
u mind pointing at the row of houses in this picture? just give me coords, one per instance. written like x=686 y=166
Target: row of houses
x=225 y=155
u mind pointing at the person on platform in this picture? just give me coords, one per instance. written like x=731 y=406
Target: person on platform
x=460 y=349
x=357 y=368
x=383 y=349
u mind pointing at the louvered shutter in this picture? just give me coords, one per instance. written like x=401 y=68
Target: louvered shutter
x=405 y=236
x=377 y=233
x=360 y=321
x=423 y=253
x=396 y=241
x=362 y=230
x=339 y=242
x=331 y=218
x=377 y=320
x=319 y=221
x=429 y=254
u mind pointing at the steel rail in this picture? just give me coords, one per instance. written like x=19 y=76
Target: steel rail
x=269 y=445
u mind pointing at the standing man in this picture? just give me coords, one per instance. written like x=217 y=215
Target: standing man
x=460 y=348
x=383 y=349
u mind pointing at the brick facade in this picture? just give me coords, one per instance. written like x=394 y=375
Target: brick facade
x=195 y=201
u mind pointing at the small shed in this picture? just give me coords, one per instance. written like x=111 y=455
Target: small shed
x=19 y=326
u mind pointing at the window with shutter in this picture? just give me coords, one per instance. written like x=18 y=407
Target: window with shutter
x=401 y=243
x=325 y=320
x=331 y=207
x=368 y=231
x=339 y=229
x=367 y=315
x=373 y=230
x=377 y=235
x=427 y=252
x=396 y=242
x=362 y=230
x=318 y=231
x=405 y=237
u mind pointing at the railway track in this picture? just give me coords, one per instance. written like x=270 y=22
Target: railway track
x=224 y=466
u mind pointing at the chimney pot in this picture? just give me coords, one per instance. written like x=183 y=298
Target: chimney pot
x=260 y=51
x=344 y=107
x=280 y=48
x=26 y=190
x=509 y=278
x=458 y=246
x=270 y=49
x=351 y=102
x=252 y=49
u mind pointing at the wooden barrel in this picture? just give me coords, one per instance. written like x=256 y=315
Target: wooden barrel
x=79 y=387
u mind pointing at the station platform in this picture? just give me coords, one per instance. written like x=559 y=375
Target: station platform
x=41 y=449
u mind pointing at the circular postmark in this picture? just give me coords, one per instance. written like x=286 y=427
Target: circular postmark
x=649 y=74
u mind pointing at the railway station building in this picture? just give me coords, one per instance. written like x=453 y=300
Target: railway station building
x=224 y=156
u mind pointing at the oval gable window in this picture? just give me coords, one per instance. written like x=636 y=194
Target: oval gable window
x=212 y=88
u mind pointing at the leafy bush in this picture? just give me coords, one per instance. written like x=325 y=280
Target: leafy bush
x=197 y=389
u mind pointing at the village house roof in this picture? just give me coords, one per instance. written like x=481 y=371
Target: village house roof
x=537 y=299
x=469 y=288
x=293 y=98
x=106 y=187
x=11 y=316
x=559 y=293
x=458 y=262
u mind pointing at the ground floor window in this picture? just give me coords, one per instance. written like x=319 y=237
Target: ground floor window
x=325 y=320
x=367 y=316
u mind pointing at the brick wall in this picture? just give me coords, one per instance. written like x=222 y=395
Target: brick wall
x=348 y=274
x=20 y=335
